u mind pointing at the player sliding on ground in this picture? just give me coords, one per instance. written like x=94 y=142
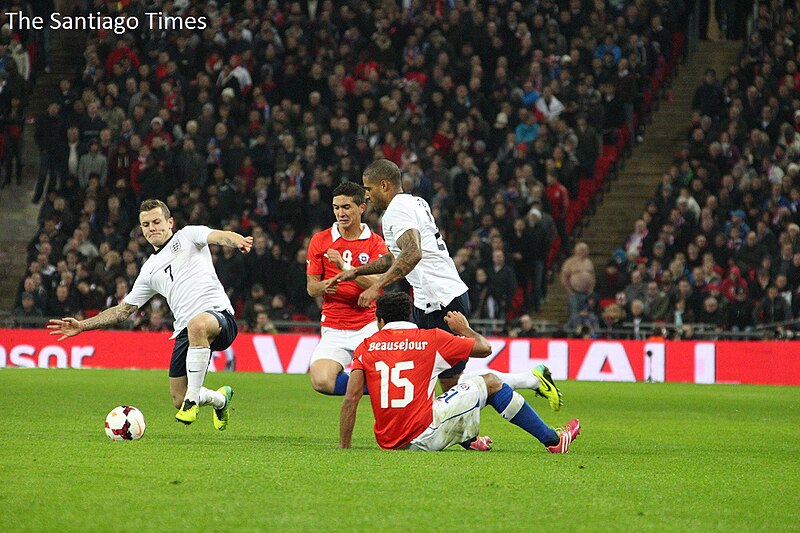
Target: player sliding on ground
x=180 y=270
x=343 y=246
x=400 y=364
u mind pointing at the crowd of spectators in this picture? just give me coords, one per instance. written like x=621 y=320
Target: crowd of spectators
x=496 y=112
x=23 y=54
x=719 y=244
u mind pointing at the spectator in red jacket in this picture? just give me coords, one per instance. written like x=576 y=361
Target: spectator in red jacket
x=732 y=282
x=558 y=196
x=123 y=52
x=393 y=149
x=157 y=130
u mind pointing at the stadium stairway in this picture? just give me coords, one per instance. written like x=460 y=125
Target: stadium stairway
x=635 y=182
x=17 y=213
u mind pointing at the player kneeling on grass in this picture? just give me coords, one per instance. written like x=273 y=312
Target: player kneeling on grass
x=400 y=365
x=181 y=270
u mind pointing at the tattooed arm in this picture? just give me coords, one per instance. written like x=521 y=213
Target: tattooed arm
x=363 y=281
x=69 y=327
x=410 y=255
x=230 y=239
x=379 y=266
x=392 y=269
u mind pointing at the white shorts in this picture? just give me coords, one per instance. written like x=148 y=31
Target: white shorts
x=456 y=417
x=339 y=344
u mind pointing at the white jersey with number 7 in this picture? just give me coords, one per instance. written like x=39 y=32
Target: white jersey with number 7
x=182 y=272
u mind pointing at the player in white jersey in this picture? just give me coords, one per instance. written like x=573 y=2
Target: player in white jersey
x=181 y=270
x=419 y=254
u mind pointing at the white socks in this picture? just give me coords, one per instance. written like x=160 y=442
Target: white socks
x=522 y=380
x=215 y=398
x=197 y=359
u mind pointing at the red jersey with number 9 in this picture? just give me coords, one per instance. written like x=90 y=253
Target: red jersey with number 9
x=401 y=364
x=340 y=310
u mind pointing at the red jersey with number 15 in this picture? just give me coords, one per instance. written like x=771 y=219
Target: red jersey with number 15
x=401 y=364
x=340 y=310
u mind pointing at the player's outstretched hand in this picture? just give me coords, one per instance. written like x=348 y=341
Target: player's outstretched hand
x=66 y=327
x=344 y=275
x=457 y=323
x=245 y=245
x=330 y=288
x=368 y=296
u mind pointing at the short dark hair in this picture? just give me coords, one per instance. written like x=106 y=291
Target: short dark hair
x=393 y=307
x=350 y=189
x=383 y=169
x=149 y=205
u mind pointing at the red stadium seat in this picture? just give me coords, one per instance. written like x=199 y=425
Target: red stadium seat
x=647 y=98
x=623 y=138
x=610 y=152
x=300 y=317
x=516 y=304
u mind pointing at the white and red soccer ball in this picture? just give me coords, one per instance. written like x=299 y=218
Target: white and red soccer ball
x=125 y=423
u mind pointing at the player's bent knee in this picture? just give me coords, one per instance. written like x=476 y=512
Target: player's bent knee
x=322 y=386
x=201 y=328
x=321 y=383
x=323 y=374
x=196 y=328
x=493 y=383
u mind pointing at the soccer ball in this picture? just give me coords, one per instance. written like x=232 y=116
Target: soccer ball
x=125 y=423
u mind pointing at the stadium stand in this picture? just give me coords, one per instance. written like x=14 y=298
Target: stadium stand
x=717 y=248
x=509 y=118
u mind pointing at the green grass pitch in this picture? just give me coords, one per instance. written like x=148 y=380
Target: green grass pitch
x=651 y=457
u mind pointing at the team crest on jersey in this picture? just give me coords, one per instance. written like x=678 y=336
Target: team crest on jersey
x=363 y=258
x=175 y=247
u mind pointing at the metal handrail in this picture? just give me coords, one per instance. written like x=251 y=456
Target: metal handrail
x=784 y=330
x=485 y=326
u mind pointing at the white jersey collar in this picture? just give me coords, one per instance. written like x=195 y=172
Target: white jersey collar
x=400 y=324
x=365 y=232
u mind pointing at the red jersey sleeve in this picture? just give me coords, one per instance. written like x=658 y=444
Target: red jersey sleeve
x=314 y=256
x=452 y=347
x=358 y=364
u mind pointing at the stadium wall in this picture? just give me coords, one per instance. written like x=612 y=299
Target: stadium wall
x=764 y=362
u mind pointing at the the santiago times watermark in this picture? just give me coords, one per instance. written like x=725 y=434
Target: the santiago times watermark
x=118 y=24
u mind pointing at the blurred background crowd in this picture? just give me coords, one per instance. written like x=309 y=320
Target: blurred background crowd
x=496 y=112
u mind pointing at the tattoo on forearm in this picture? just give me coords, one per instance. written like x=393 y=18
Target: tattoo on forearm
x=109 y=317
x=227 y=241
x=379 y=266
x=410 y=255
